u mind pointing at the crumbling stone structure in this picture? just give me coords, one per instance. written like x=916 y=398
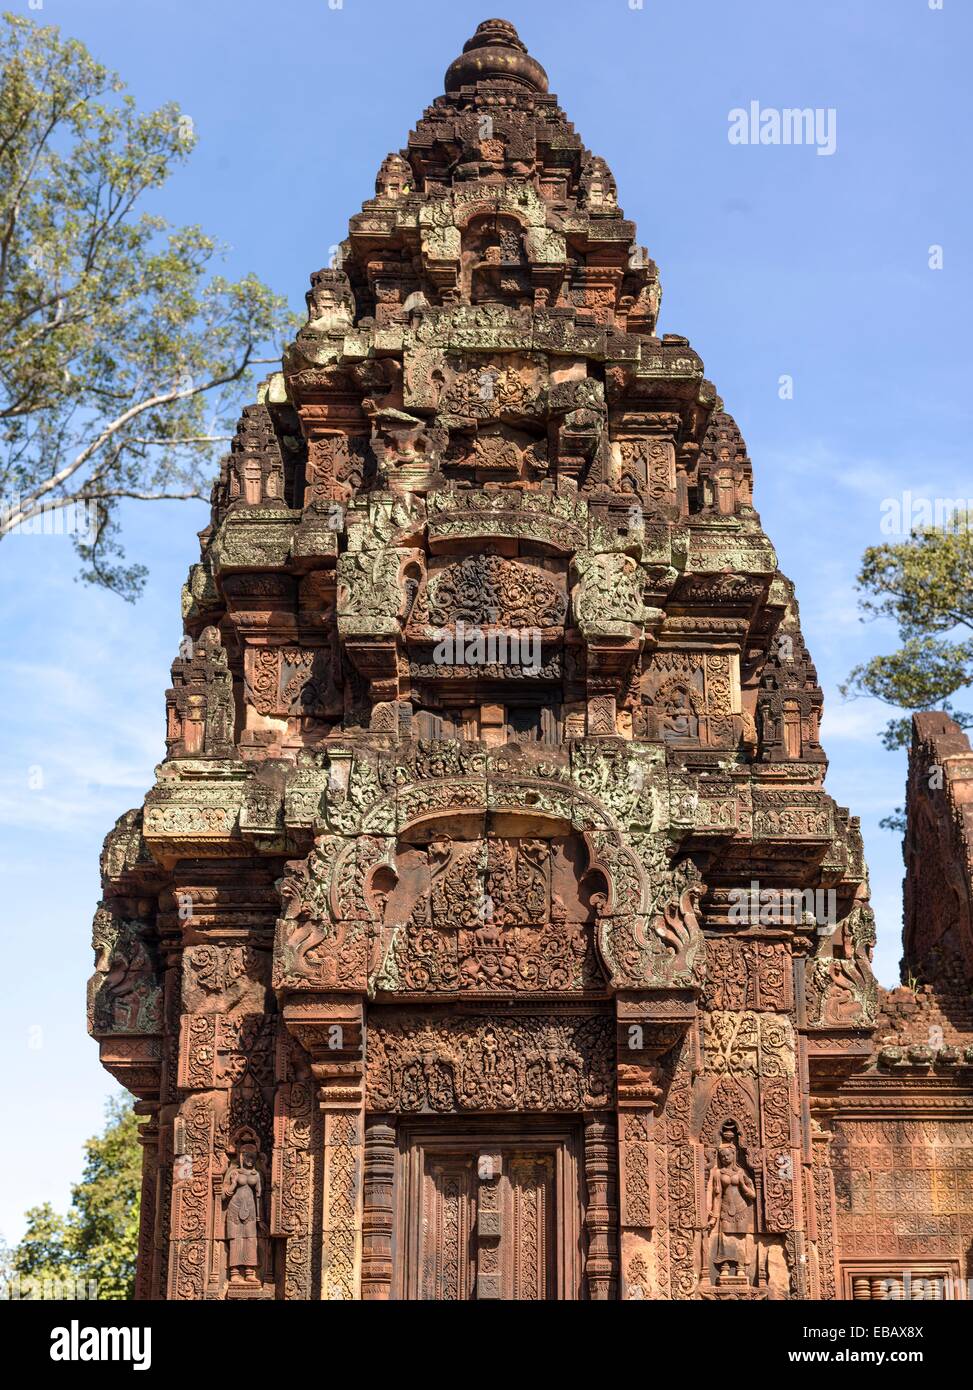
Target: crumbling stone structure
x=488 y=932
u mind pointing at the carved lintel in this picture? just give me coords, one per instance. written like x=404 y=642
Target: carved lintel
x=484 y=1061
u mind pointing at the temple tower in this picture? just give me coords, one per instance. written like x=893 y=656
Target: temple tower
x=488 y=926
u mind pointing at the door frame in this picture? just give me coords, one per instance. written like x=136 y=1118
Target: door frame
x=561 y=1136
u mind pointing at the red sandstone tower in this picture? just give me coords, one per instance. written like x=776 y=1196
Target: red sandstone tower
x=488 y=932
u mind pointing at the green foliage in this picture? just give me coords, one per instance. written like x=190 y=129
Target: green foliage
x=98 y=1239
x=925 y=585
x=122 y=353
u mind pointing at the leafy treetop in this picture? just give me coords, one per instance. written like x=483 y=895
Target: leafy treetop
x=122 y=353
x=925 y=585
x=97 y=1242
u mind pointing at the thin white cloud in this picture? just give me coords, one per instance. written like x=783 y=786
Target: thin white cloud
x=89 y=740
x=857 y=721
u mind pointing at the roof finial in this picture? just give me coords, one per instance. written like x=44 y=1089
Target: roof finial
x=495 y=53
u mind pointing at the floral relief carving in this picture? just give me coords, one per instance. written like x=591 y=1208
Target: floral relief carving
x=531 y=1062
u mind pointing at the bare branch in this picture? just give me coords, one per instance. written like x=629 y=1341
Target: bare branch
x=136 y=496
x=120 y=421
x=22 y=515
x=189 y=439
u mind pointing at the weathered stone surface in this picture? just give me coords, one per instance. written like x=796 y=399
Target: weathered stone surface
x=490 y=862
x=939 y=852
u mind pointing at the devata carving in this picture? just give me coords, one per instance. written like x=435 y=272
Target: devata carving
x=488 y=930
x=730 y=1214
x=242 y=1192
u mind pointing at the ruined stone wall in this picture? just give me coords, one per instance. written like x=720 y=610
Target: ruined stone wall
x=938 y=941
x=903 y=1127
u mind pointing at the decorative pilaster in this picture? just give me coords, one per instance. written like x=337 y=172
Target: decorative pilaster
x=601 y=1216
x=341 y=1233
x=376 y=1279
x=148 y=1137
x=331 y=1029
x=292 y=1193
x=649 y=1025
x=824 y=1272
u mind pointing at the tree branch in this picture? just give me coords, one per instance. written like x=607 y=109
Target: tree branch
x=189 y=439
x=7 y=526
x=149 y=403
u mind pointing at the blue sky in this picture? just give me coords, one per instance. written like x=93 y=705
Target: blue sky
x=774 y=260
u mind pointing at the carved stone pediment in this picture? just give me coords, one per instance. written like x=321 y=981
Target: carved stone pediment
x=490 y=591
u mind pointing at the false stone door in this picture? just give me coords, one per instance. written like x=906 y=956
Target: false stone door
x=491 y=1218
